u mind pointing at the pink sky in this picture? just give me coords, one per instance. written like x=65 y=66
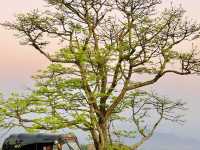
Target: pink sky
x=18 y=63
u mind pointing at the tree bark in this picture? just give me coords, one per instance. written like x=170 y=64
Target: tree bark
x=103 y=136
x=100 y=136
x=95 y=139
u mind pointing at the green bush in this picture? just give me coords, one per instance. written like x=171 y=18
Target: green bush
x=118 y=147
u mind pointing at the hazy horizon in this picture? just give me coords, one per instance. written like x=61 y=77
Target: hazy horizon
x=18 y=63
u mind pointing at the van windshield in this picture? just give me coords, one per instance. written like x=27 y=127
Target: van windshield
x=70 y=146
x=65 y=147
x=74 y=145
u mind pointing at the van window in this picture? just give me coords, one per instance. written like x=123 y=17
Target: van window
x=73 y=145
x=65 y=147
x=48 y=147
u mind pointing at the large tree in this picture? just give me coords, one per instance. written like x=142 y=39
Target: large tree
x=52 y=106
x=107 y=43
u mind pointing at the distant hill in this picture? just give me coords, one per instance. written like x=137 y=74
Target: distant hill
x=171 y=142
x=163 y=141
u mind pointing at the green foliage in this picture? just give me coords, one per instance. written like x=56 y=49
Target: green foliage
x=119 y=146
x=65 y=53
x=126 y=134
x=73 y=83
x=83 y=147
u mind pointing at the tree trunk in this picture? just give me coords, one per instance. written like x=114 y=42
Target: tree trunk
x=103 y=136
x=100 y=136
x=95 y=139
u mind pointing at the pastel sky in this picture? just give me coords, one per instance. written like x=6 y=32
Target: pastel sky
x=18 y=63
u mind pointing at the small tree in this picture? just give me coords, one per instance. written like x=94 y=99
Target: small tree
x=104 y=52
x=148 y=111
